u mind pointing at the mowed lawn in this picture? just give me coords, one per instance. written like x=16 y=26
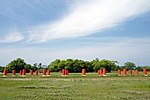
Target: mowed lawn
x=75 y=87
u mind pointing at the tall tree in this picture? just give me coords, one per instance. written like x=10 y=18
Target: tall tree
x=62 y=65
x=129 y=65
x=17 y=65
x=54 y=65
x=69 y=64
x=105 y=64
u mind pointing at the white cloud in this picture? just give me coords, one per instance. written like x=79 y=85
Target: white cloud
x=12 y=37
x=91 y=16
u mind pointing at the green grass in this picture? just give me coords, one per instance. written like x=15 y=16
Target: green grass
x=75 y=87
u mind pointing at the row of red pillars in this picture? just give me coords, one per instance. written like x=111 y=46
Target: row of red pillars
x=23 y=73
x=131 y=73
x=65 y=72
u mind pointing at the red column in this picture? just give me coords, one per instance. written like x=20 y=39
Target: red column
x=63 y=72
x=83 y=72
x=144 y=72
x=31 y=72
x=36 y=72
x=13 y=73
x=136 y=72
x=20 y=72
x=119 y=72
x=66 y=72
x=101 y=72
x=124 y=72
x=23 y=72
x=5 y=73
x=98 y=72
x=48 y=72
x=130 y=71
x=44 y=72
x=104 y=72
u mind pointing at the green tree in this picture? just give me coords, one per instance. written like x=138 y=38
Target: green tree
x=17 y=65
x=95 y=65
x=28 y=67
x=2 y=69
x=69 y=64
x=105 y=64
x=89 y=66
x=129 y=65
x=54 y=65
x=62 y=65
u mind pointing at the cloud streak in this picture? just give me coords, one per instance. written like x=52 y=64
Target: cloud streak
x=81 y=18
x=85 y=18
x=12 y=37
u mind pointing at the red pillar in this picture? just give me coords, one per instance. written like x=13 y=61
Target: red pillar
x=63 y=72
x=119 y=72
x=101 y=72
x=124 y=72
x=136 y=72
x=48 y=73
x=83 y=72
x=104 y=72
x=66 y=72
x=5 y=73
x=130 y=71
x=31 y=72
x=98 y=72
x=36 y=72
x=20 y=72
x=44 y=72
x=144 y=72
x=23 y=72
x=13 y=73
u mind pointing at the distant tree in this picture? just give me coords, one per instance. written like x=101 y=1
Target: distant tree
x=17 y=64
x=54 y=65
x=139 y=68
x=105 y=64
x=76 y=66
x=2 y=68
x=89 y=67
x=69 y=64
x=94 y=64
x=28 y=67
x=40 y=65
x=62 y=65
x=129 y=65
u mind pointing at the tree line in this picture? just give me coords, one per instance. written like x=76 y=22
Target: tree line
x=73 y=65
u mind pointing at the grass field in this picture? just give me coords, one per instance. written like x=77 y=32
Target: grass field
x=75 y=87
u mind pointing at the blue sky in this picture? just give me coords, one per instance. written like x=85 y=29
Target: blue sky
x=43 y=30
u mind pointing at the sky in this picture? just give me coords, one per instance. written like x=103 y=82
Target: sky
x=40 y=31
